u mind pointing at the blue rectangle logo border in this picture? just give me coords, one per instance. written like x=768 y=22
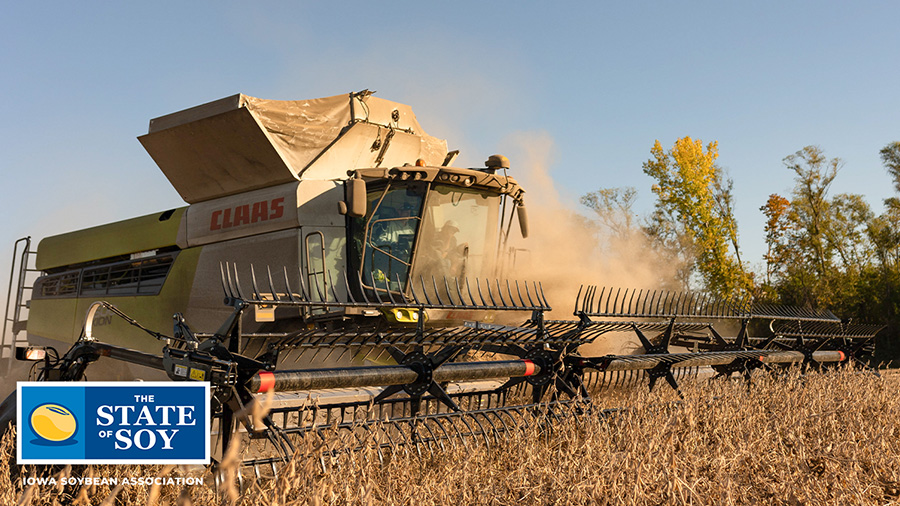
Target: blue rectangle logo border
x=113 y=384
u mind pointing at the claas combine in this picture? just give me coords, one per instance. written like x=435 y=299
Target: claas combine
x=332 y=260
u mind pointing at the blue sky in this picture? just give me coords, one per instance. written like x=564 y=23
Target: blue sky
x=601 y=80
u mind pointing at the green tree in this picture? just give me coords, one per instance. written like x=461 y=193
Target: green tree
x=777 y=228
x=890 y=155
x=694 y=212
x=614 y=209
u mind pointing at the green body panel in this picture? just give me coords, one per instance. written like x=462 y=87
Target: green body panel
x=144 y=233
x=62 y=319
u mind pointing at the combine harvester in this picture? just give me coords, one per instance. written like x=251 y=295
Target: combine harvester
x=365 y=283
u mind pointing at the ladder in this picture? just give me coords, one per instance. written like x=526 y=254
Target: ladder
x=15 y=316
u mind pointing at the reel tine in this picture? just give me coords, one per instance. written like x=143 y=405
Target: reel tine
x=546 y=305
x=350 y=296
x=500 y=293
x=412 y=289
x=323 y=297
x=305 y=294
x=599 y=299
x=272 y=285
x=225 y=289
x=362 y=288
x=480 y=295
x=469 y=289
x=403 y=298
x=490 y=294
x=256 y=294
x=437 y=293
x=287 y=286
x=375 y=288
x=449 y=292
x=528 y=294
x=333 y=284
x=459 y=294
x=387 y=288
x=237 y=284
x=425 y=290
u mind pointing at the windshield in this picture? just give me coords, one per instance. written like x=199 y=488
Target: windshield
x=386 y=235
x=459 y=234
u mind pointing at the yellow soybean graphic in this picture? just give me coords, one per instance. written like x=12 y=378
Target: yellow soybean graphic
x=53 y=422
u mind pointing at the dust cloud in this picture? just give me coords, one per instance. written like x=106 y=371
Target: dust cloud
x=566 y=249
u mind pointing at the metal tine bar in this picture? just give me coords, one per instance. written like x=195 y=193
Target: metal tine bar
x=608 y=297
x=577 y=296
x=631 y=300
x=322 y=296
x=644 y=307
x=375 y=288
x=616 y=301
x=512 y=301
x=387 y=288
x=654 y=303
x=437 y=293
x=599 y=298
x=272 y=285
x=425 y=290
x=469 y=290
x=676 y=304
x=714 y=307
x=350 y=296
x=706 y=300
x=403 y=298
x=500 y=293
x=663 y=301
x=449 y=292
x=412 y=288
x=627 y=311
x=333 y=292
x=305 y=295
x=487 y=283
x=544 y=302
x=224 y=285
x=231 y=290
x=287 y=286
x=480 y=296
x=362 y=288
x=256 y=293
x=237 y=284
x=528 y=294
x=722 y=306
x=459 y=292
x=519 y=293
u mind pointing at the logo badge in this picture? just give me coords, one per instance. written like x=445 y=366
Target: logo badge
x=113 y=423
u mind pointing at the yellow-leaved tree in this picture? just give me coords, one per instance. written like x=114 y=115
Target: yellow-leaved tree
x=694 y=215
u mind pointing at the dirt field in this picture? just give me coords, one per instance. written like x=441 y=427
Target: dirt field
x=818 y=439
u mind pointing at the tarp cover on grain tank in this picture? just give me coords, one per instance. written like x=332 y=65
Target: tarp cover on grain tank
x=242 y=143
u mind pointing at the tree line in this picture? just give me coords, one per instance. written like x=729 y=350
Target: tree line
x=824 y=250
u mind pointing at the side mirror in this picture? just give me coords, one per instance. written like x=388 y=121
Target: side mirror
x=355 y=193
x=523 y=219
